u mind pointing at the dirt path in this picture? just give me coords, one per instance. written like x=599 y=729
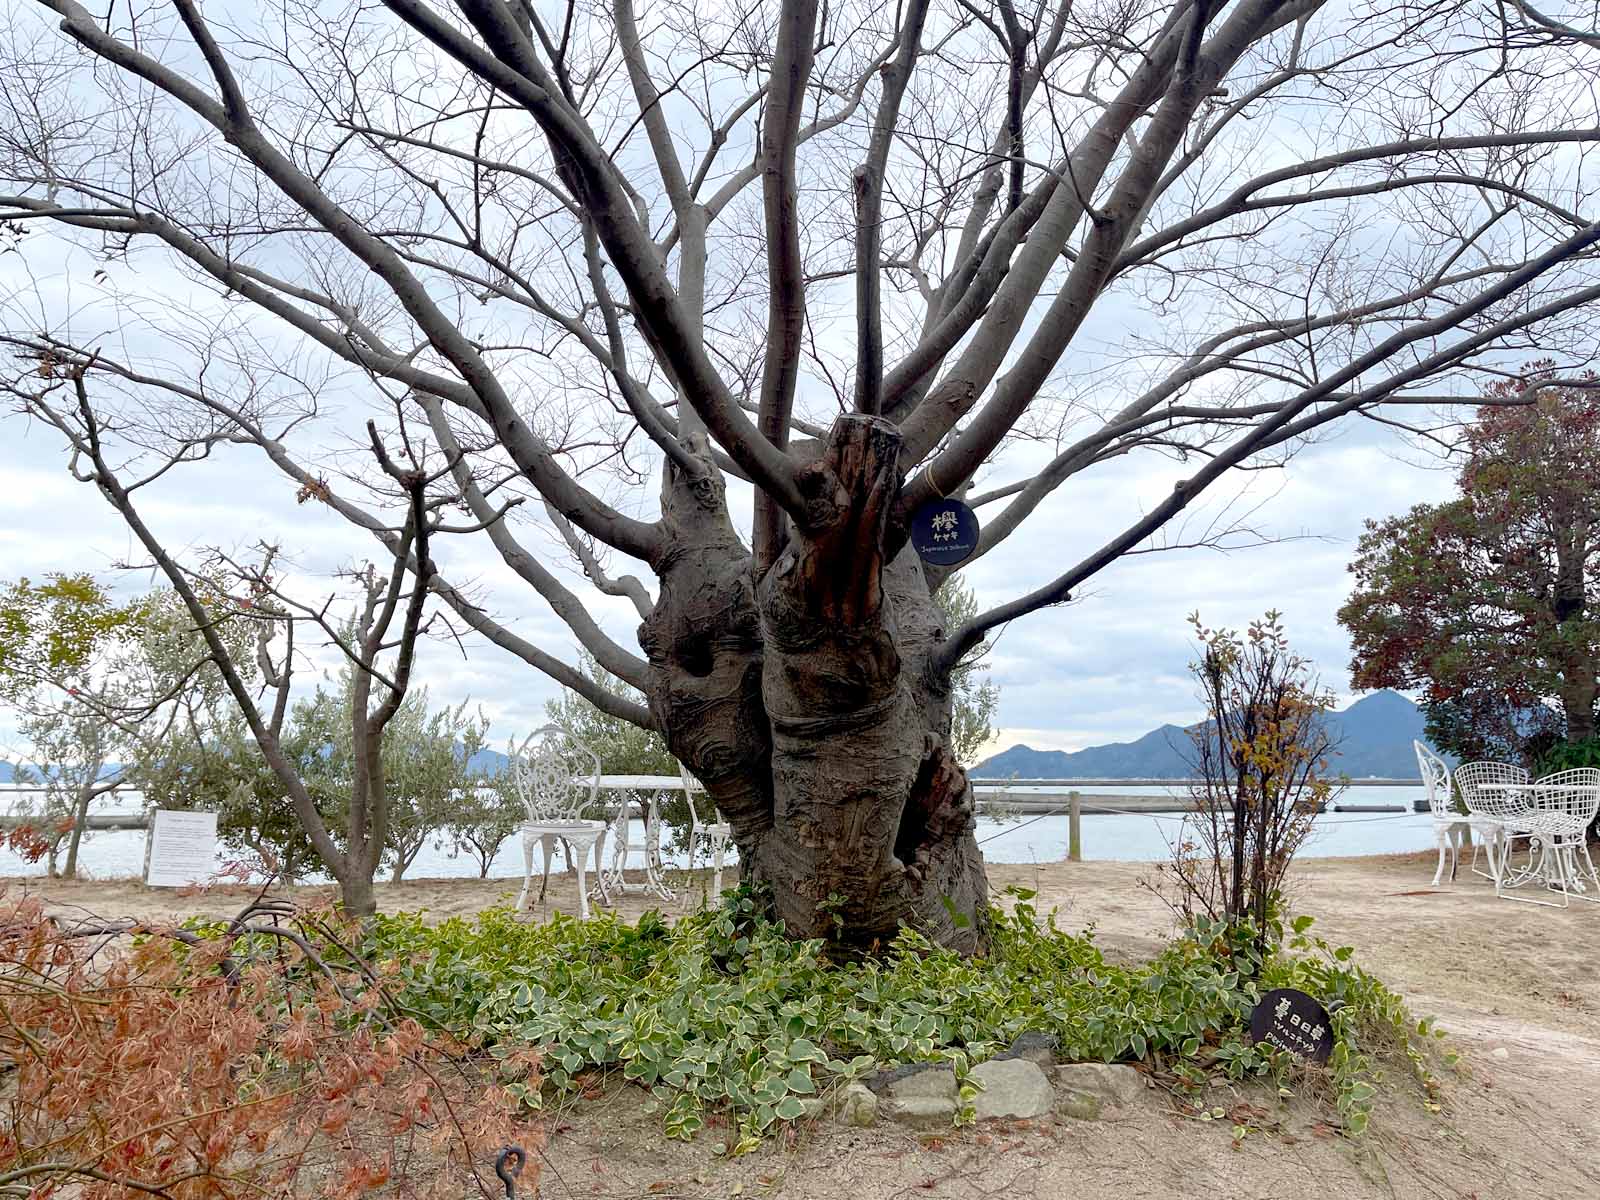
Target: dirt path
x=1516 y=986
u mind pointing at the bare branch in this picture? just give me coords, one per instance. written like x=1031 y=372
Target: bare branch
x=869 y=212
x=786 y=302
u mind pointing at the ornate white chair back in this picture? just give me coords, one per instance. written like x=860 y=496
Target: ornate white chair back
x=1435 y=781
x=556 y=776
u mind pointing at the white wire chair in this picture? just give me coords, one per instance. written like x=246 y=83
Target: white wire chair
x=716 y=835
x=1562 y=809
x=1448 y=825
x=1495 y=816
x=557 y=780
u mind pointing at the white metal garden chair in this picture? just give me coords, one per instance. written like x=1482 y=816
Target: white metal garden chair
x=557 y=779
x=1495 y=817
x=1449 y=826
x=1562 y=809
x=716 y=835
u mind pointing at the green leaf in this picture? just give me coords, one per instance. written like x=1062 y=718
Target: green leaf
x=805 y=1050
x=957 y=918
x=770 y=1090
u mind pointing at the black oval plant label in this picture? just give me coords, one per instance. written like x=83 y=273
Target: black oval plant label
x=1293 y=1021
x=944 y=532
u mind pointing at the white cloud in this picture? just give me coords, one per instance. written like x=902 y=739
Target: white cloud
x=1110 y=666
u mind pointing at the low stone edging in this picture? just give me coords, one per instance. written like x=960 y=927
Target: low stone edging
x=1022 y=1082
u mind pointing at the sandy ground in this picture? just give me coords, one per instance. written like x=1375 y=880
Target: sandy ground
x=1516 y=986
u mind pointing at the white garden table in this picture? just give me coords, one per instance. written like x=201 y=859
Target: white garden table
x=1549 y=867
x=646 y=791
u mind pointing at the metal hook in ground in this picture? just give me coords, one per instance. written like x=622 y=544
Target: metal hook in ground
x=508 y=1166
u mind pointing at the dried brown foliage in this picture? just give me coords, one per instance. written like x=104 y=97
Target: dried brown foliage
x=263 y=1060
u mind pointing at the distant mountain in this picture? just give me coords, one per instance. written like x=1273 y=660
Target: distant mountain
x=490 y=762
x=1374 y=736
x=8 y=773
x=1377 y=732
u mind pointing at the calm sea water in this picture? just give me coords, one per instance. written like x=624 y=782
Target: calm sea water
x=1122 y=837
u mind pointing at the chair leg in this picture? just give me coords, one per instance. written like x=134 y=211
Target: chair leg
x=1441 y=837
x=1573 y=874
x=549 y=841
x=527 y=872
x=1563 y=871
x=600 y=868
x=1536 y=867
x=1485 y=841
x=718 y=847
x=583 y=886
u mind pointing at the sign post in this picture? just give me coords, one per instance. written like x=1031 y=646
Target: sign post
x=180 y=849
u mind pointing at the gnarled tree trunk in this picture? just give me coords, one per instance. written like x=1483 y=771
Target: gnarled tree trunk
x=807 y=702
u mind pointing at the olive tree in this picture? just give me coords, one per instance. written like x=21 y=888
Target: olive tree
x=101 y=689
x=974 y=697
x=803 y=269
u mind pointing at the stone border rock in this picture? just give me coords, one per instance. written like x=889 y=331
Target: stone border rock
x=1012 y=1087
x=1015 y=1084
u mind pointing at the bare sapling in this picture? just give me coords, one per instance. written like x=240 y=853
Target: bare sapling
x=1260 y=771
x=378 y=645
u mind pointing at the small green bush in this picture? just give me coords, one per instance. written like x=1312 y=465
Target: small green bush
x=1565 y=756
x=722 y=1010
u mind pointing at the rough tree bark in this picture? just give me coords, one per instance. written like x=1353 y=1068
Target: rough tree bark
x=806 y=701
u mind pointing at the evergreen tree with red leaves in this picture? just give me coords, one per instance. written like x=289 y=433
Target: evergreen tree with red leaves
x=1487 y=603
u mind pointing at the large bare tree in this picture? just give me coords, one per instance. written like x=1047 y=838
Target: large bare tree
x=814 y=266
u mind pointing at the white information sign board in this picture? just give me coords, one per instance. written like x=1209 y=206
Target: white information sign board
x=182 y=848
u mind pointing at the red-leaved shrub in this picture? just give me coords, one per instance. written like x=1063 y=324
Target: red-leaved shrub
x=262 y=1060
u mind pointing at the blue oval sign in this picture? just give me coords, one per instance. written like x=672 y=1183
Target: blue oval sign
x=944 y=532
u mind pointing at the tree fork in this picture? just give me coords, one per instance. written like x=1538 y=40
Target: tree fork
x=872 y=818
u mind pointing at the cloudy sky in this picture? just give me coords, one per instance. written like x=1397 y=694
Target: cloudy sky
x=1107 y=667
